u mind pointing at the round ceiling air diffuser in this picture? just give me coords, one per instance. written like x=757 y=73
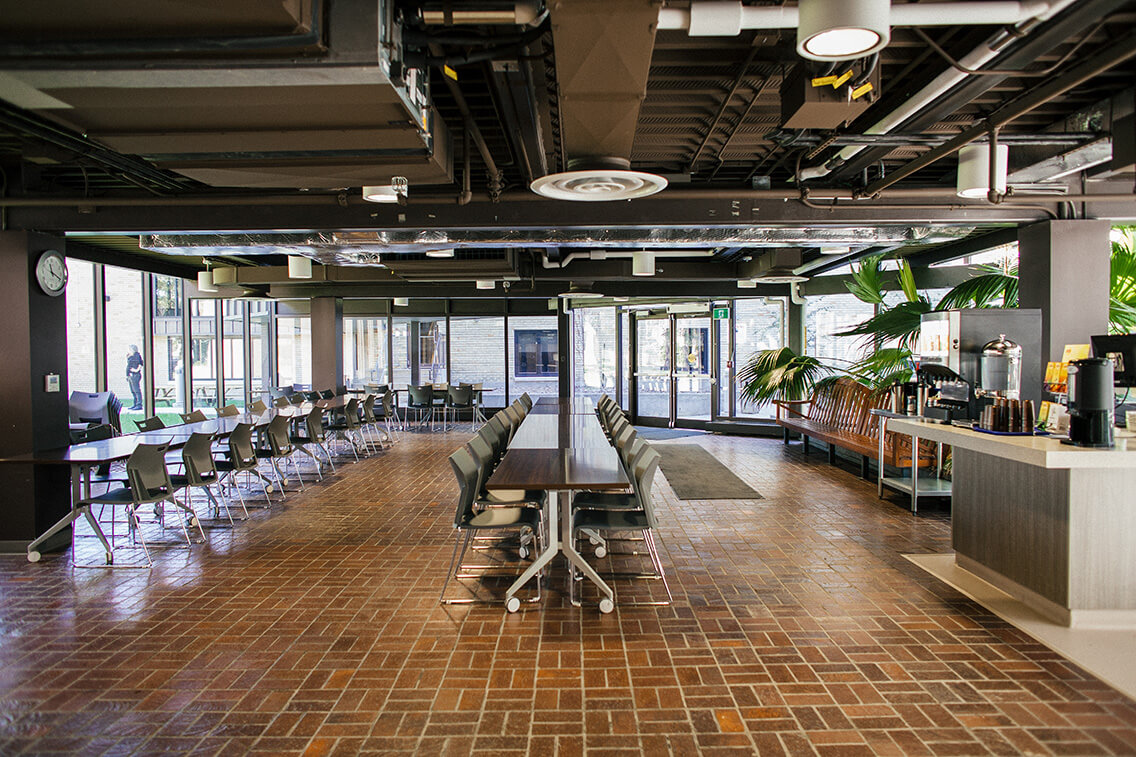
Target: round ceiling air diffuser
x=602 y=181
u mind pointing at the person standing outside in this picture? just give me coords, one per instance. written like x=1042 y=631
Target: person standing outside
x=134 y=376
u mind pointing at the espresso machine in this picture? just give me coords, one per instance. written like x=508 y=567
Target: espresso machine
x=1090 y=402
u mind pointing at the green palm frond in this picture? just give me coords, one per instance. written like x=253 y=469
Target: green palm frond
x=884 y=366
x=1122 y=304
x=899 y=322
x=983 y=291
x=907 y=281
x=867 y=282
x=780 y=374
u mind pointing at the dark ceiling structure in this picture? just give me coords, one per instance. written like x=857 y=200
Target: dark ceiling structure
x=159 y=135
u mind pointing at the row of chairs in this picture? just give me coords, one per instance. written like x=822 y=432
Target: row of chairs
x=487 y=516
x=455 y=400
x=147 y=477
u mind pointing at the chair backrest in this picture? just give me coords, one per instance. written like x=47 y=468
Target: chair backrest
x=340 y=390
x=421 y=396
x=526 y=400
x=277 y=434
x=326 y=394
x=242 y=454
x=483 y=452
x=228 y=411
x=388 y=403
x=460 y=396
x=297 y=398
x=198 y=457
x=351 y=413
x=513 y=416
x=195 y=416
x=282 y=401
x=465 y=471
x=93 y=433
x=644 y=477
x=313 y=421
x=492 y=437
x=258 y=406
x=499 y=425
x=625 y=436
x=147 y=473
x=369 y=409
x=151 y=424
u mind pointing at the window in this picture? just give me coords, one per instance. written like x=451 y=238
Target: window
x=294 y=351
x=203 y=353
x=81 y=371
x=233 y=352
x=477 y=355
x=125 y=367
x=759 y=324
x=825 y=316
x=533 y=356
x=260 y=348
x=534 y=352
x=166 y=349
x=594 y=350
x=419 y=350
x=364 y=351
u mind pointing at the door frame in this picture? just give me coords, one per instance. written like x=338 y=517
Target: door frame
x=672 y=420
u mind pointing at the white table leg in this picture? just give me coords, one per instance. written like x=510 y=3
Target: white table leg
x=545 y=557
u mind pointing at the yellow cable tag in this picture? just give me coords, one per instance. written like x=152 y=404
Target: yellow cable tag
x=821 y=81
x=843 y=78
x=862 y=90
x=450 y=72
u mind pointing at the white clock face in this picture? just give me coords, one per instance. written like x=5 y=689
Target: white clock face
x=51 y=272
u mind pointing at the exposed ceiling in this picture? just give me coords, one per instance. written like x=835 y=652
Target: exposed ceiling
x=267 y=116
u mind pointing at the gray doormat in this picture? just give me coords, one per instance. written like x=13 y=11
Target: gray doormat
x=655 y=433
x=693 y=473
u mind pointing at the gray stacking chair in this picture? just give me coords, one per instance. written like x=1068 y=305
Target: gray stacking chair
x=228 y=411
x=201 y=473
x=315 y=436
x=346 y=427
x=279 y=447
x=377 y=436
x=281 y=402
x=194 y=416
x=637 y=515
x=421 y=399
x=471 y=518
x=458 y=398
x=151 y=424
x=241 y=458
x=258 y=407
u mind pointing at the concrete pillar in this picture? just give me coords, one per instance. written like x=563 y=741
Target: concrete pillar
x=34 y=344
x=1063 y=269
x=327 y=342
x=564 y=347
x=795 y=326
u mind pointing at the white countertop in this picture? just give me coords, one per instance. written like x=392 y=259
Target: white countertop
x=1042 y=451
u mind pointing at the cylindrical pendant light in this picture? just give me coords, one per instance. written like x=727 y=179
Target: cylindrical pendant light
x=205 y=281
x=486 y=284
x=974 y=170
x=299 y=267
x=401 y=302
x=642 y=263
x=448 y=253
x=842 y=29
x=747 y=284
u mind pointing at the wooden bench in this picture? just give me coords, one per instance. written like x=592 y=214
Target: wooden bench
x=839 y=413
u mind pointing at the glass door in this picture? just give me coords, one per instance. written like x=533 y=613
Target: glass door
x=674 y=377
x=652 y=370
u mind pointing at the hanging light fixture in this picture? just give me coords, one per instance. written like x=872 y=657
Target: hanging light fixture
x=299 y=267
x=440 y=253
x=747 y=284
x=974 y=170
x=401 y=302
x=205 y=281
x=642 y=263
x=394 y=192
x=835 y=250
x=579 y=292
x=830 y=30
x=486 y=283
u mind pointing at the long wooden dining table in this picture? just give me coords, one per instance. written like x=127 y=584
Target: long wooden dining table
x=560 y=453
x=86 y=456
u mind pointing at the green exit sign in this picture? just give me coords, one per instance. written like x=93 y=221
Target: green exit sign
x=721 y=314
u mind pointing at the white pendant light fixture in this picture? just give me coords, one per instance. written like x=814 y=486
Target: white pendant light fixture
x=387 y=193
x=486 y=283
x=440 y=253
x=599 y=180
x=205 y=280
x=579 y=292
x=642 y=263
x=299 y=267
x=747 y=284
x=401 y=302
x=830 y=30
x=974 y=170
x=835 y=250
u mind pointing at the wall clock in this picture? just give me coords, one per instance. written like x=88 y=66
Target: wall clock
x=51 y=272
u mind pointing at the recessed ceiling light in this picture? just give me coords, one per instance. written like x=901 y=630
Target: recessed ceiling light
x=299 y=267
x=389 y=193
x=486 y=284
x=842 y=29
x=439 y=253
x=401 y=302
x=747 y=284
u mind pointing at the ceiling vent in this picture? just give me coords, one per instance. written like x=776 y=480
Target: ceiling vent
x=599 y=181
x=777 y=266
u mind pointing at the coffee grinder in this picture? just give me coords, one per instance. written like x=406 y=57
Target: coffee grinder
x=1090 y=402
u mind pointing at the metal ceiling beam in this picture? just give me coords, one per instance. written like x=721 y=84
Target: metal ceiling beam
x=523 y=290
x=149 y=263
x=969 y=246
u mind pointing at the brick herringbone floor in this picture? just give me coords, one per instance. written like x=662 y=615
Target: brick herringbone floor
x=314 y=628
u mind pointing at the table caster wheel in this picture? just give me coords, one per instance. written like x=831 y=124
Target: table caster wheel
x=601 y=551
x=606 y=605
x=34 y=556
x=283 y=483
x=110 y=558
x=513 y=604
x=594 y=541
x=523 y=552
x=268 y=489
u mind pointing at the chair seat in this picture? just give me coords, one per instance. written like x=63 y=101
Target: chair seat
x=499 y=517
x=605 y=501
x=502 y=496
x=226 y=466
x=120 y=496
x=611 y=520
x=179 y=481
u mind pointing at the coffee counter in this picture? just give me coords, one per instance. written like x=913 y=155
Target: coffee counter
x=1050 y=524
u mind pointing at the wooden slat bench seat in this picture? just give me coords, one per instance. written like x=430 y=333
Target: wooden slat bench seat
x=839 y=413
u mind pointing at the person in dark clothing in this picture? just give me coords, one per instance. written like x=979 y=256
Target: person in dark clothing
x=134 y=376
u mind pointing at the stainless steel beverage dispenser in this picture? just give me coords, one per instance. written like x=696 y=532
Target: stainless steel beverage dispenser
x=1000 y=369
x=1090 y=402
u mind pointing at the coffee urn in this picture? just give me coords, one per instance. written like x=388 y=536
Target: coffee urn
x=1000 y=367
x=1090 y=402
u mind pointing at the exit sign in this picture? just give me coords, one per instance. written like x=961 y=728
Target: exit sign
x=721 y=314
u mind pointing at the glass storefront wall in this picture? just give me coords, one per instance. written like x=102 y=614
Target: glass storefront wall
x=364 y=352
x=533 y=357
x=294 y=351
x=594 y=351
x=81 y=343
x=477 y=355
x=125 y=363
